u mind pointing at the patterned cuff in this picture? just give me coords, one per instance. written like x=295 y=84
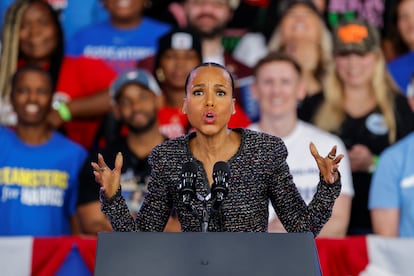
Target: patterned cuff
x=110 y=200
x=336 y=183
x=328 y=190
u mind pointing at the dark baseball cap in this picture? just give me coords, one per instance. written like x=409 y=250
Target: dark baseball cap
x=135 y=76
x=355 y=36
x=178 y=39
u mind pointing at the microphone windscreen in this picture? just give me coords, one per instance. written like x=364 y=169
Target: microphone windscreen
x=221 y=166
x=189 y=166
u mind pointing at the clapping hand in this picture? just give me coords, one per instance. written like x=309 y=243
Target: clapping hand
x=328 y=166
x=109 y=179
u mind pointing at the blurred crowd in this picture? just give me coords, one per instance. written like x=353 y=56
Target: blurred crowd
x=78 y=78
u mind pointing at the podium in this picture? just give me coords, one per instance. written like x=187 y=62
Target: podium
x=206 y=254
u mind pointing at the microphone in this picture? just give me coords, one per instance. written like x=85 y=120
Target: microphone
x=187 y=185
x=220 y=188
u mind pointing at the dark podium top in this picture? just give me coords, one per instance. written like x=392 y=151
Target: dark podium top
x=199 y=254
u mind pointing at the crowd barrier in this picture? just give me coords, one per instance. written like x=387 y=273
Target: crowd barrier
x=359 y=255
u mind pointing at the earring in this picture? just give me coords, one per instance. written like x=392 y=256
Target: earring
x=159 y=73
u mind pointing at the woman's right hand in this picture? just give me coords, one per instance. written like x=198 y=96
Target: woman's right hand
x=107 y=178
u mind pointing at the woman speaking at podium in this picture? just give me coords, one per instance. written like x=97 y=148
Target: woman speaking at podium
x=257 y=172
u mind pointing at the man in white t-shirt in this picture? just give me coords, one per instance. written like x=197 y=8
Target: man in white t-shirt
x=278 y=87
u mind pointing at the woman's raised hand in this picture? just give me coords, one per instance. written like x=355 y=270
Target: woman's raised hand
x=328 y=166
x=109 y=179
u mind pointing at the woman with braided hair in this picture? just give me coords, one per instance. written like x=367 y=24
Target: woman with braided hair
x=32 y=35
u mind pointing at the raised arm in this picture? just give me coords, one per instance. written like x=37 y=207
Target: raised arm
x=113 y=205
x=157 y=205
x=291 y=209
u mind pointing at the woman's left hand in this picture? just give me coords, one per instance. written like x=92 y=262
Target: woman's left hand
x=328 y=166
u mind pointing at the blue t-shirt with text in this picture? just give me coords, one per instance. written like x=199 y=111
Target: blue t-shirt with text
x=38 y=185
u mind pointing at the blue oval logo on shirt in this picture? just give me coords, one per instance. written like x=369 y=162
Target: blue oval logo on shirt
x=375 y=123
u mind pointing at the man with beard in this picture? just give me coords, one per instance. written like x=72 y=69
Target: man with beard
x=136 y=100
x=209 y=19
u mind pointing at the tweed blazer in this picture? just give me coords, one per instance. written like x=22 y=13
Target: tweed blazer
x=259 y=173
